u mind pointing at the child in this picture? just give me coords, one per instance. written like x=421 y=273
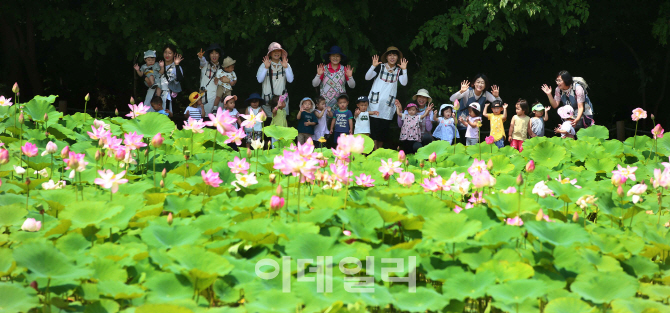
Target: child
x=362 y=116
x=157 y=105
x=229 y=104
x=472 y=123
x=384 y=91
x=332 y=77
x=497 y=120
x=253 y=133
x=446 y=128
x=410 y=134
x=343 y=119
x=195 y=110
x=278 y=114
x=518 y=129
x=306 y=120
x=567 y=113
x=274 y=73
x=322 y=112
x=150 y=71
x=225 y=79
x=536 y=128
x=209 y=66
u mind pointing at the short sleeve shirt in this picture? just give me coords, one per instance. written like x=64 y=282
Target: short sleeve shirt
x=342 y=121
x=304 y=118
x=497 y=130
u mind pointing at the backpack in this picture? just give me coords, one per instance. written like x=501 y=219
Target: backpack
x=586 y=120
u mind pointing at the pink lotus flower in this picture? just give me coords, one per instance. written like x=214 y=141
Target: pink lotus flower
x=510 y=189
x=477 y=167
x=5 y=102
x=567 y=180
x=406 y=179
x=244 y=181
x=137 y=110
x=661 y=178
x=110 y=180
x=351 y=143
x=657 y=131
x=341 y=155
x=432 y=157
x=133 y=141
x=636 y=191
x=365 y=180
x=99 y=123
x=489 y=140
x=516 y=221
x=120 y=154
x=235 y=136
x=211 y=178
x=194 y=125
x=251 y=119
x=430 y=185
x=541 y=216
x=390 y=167
x=401 y=156
x=50 y=149
x=223 y=122
x=65 y=152
x=238 y=166
x=4 y=156
x=628 y=172
x=477 y=198
x=346 y=232
x=530 y=167
x=98 y=133
x=157 y=141
x=306 y=150
x=276 y=203
x=541 y=189
x=458 y=209
x=483 y=179
x=112 y=143
x=31 y=225
x=638 y=114
x=29 y=150
x=340 y=173
x=459 y=183
x=75 y=162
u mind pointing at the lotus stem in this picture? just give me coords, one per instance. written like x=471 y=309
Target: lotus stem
x=660 y=207
x=635 y=135
x=213 y=151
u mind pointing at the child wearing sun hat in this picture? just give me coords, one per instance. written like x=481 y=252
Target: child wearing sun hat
x=410 y=134
x=225 y=80
x=273 y=74
x=195 y=110
x=567 y=113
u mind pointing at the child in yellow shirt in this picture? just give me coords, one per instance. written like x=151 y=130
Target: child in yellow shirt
x=497 y=119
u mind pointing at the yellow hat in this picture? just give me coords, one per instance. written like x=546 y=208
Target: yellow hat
x=194 y=97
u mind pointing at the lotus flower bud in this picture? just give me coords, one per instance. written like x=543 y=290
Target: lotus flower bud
x=406 y=162
x=421 y=164
x=248 y=153
x=21 y=118
x=276 y=203
x=87 y=97
x=132 y=100
x=489 y=164
x=162 y=184
x=120 y=155
x=46 y=117
x=262 y=117
x=279 y=190
x=272 y=178
x=323 y=163
x=51 y=148
x=432 y=158
x=169 y=218
x=575 y=217
x=186 y=157
x=652 y=117
x=15 y=88
x=157 y=141
x=146 y=152
x=4 y=156
x=619 y=191
x=28 y=181
x=65 y=152
x=387 y=176
x=33 y=285
x=401 y=156
x=96 y=110
x=530 y=166
x=97 y=155
x=116 y=111
x=539 y=215
x=164 y=173
x=519 y=180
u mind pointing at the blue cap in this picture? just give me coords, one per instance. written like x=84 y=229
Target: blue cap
x=362 y=99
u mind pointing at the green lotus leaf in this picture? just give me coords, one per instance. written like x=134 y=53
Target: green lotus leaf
x=600 y=288
x=280 y=132
x=600 y=165
x=641 y=266
x=440 y=147
x=103 y=306
x=568 y=305
x=61 y=132
x=12 y=215
x=458 y=160
x=595 y=131
x=635 y=305
x=38 y=106
x=176 y=204
x=199 y=262
x=548 y=154
x=557 y=233
x=517 y=291
x=211 y=224
x=167 y=287
x=164 y=236
x=655 y=292
x=309 y=247
x=118 y=290
x=273 y=301
x=294 y=230
x=424 y=299
x=424 y=205
x=163 y=308
x=45 y=261
x=468 y=285
x=509 y=204
x=663 y=145
x=84 y=213
x=383 y=154
x=505 y=270
x=106 y=269
x=451 y=227
x=324 y=201
x=362 y=222
x=149 y=125
x=7 y=264
x=16 y=298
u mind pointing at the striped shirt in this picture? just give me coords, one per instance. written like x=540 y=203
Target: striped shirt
x=194 y=113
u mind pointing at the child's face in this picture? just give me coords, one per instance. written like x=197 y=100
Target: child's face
x=157 y=106
x=472 y=112
x=538 y=113
x=421 y=100
x=214 y=56
x=412 y=111
x=230 y=105
x=229 y=68
x=254 y=103
x=342 y=104
x=519 y=111
x=306 y=105
x=150 y=61
x=275 y=55
x=335 y=59
x=321 y=105
x=363 y=106
x=447 y=113
x=497 y=110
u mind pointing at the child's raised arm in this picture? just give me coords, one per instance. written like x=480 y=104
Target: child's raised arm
x=504 y=112
x=435 y=117
x=137 y=69
x=546 y=115
x=301 y=110
x=427 y=111
x=357 y=113
x=398 y=107
x=162 y=66
x=319 y=114
x=486 y=109
x=330 y=112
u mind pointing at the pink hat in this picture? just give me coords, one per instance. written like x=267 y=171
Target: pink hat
x=410 y=105
x=276 y=46
x=228 y=98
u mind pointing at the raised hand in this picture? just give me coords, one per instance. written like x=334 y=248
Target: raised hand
x=136 y=67
x=177 y=59
x=349 y=71
x=464 y=86
x=358 y=111
x=403 y=64
x=546 y=109
x=266 y=61
x=397 y=104
x=161 y=63
x=430 y=107
x=319 y=69
x=495 y=91
x=546 y=89
x=505 y=106
x=200 y=54
x=375 y=60
x=284 y=61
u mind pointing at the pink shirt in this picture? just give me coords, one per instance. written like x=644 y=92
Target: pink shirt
x=579 y=94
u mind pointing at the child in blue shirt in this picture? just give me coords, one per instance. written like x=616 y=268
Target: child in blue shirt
x=306 y=120
x=157 y=105
x=343 y=119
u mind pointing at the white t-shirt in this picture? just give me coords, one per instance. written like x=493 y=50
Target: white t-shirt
x=194 y=113
x=362 y=125
x=567 y=126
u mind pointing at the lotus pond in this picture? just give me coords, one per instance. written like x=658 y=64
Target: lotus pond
x=106 y=215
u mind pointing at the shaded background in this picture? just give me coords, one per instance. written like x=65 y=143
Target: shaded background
x=73 y=47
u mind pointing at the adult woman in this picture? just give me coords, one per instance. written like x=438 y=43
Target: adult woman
x=273 y=75
x=209 y=65
x=384 y=91
x=332 y=77
x=475 y=93
x=570 y=91
x=170 y=80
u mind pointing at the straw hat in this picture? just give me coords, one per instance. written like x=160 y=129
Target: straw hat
x=228 y=61
x=194 y=97
x=389 y=49
x=424 y=93
x=276 y=46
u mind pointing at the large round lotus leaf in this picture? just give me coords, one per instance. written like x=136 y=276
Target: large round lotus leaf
x=440 y=147
x=16 y=298
x=12 y=215
x=166 y=287
x=568 y=305
x=635 y=305
x=280 y=132
x=309 y=247
x=84 y=213
x=362 y=222
x=199 y=262
x=7 y=263
x=655 y=292
x=383 y=154
x=505 y=270
x=273 y=301
x=38 y=106
x=600 y=288
x=106 y=269
x=468 y=285
x=45 y=261
x=164 y=236
x=548 y=154
x=162 y=308
x=119 y=290
x=451 y=227
x=600 y=165
x=103 y=306
x=595 y=131
x=557 y=233
x=517 y=291
x=424 y=299
x=149 y=124
x=663 y=145
x=424 y=205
